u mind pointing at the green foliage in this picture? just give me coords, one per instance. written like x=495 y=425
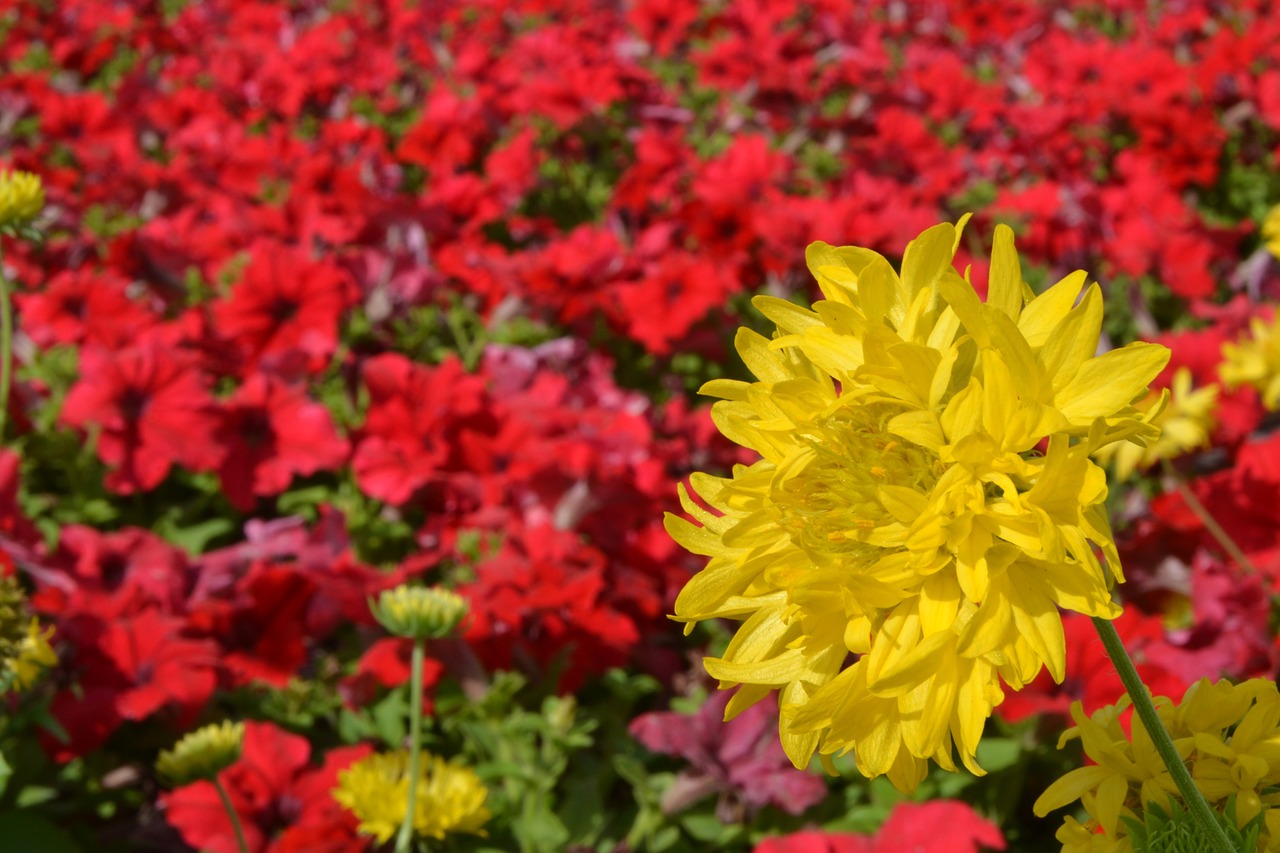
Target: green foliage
x=523 y=755
x=1175 y=831
x=1248 y=183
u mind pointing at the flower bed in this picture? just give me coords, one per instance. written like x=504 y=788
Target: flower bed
x=332 y=297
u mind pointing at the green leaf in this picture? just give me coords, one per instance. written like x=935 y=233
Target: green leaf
x=390 y=718
x=195 y=538
x=996 y=753
x=27 y=832
x=710 y=829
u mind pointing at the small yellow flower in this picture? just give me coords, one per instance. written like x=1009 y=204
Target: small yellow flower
x=201 y=754
x=1271 y=231
x=1228 y=734
x=1255 y=361
x=34 y=656
x=449 y=797
x=1185 y=425
x=21 y=198
x=24 y=648
x=923 y=505
x=419 y=613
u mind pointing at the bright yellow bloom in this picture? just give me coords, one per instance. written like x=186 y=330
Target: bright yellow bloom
x=450 y=797
x=21 y=197
x=34 y=656
x=24 y=648
x=1185 y=425
x=420 y=613
x=924 y=500
x=1077 y=837
x=201 y=754
x=1255 y=361
x=1271 y=231
x=1229 y=735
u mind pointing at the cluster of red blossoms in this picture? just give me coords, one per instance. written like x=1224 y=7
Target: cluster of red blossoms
x=329 y=272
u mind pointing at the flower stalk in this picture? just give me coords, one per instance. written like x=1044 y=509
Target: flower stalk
x=6 y=347
x=405 y=836
x=1210 y=523
x=232 y=814
x=1146 y=710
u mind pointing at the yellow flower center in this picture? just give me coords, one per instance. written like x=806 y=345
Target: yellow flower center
x=828 y=499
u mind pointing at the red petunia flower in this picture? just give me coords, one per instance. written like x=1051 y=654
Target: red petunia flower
x=938 y=826
x=1091 y=676
x=153 y=410
x=415 y=416
x=542 y=595
x=273 y=431
x=261 y=625
x=113 y=575
x=675 y=293
x=285 y=303
x=129 y=669
x=284 y=804
x=385 y=664
x=84 y=306
x=159 y=666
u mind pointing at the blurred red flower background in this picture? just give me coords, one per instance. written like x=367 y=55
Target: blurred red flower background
x=337 y=295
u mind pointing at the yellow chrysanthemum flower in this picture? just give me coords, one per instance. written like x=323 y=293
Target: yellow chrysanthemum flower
x=1229 y=734
x=419 y=613
x=924 y=500
x=21 y=197
x=1255 y=361
x=1271 y=231
x=201 y=754
x=1185 y=425
x=449 y=797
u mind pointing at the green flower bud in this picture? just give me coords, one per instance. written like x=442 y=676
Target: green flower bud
x=202 y=754
x=419 y=613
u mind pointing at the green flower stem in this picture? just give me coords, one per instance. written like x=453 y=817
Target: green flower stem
x=1146 y=710
x=233 y=814
x=1210 y=523
x=6 y=347
x=405 y=836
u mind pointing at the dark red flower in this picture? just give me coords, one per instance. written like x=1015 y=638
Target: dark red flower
x=153 y=410
x=261 y=625
x=113 y=575
x=273 y=431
